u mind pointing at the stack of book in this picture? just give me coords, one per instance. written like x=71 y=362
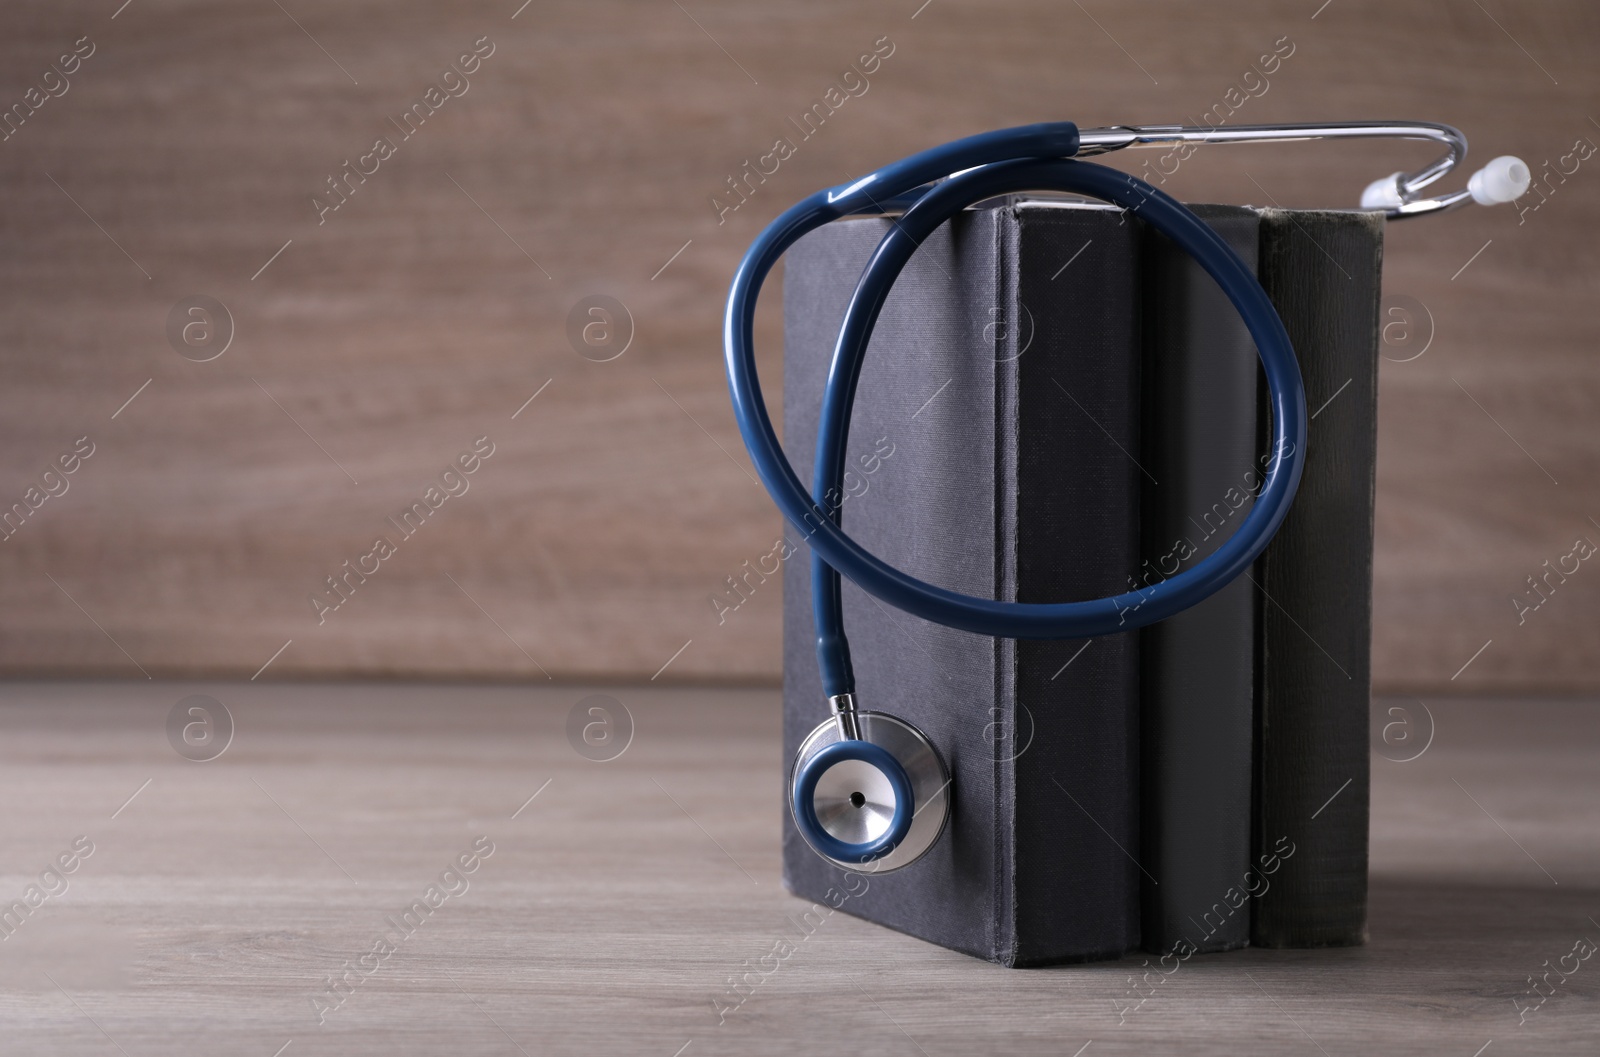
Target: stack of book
x=1074 y=409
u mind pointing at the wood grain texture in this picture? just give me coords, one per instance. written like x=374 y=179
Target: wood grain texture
x=416 y=318
x=618 y=902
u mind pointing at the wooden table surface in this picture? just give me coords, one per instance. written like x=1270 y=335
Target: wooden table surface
x=220 y=896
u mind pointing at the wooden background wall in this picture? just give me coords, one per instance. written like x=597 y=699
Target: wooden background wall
x=582 y=158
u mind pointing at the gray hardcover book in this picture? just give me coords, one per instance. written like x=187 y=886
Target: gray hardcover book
x=1198 y=668
x=1322 y=270
x=991 y=453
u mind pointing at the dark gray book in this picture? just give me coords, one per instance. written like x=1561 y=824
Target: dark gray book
x=1314 y=582
x=994 y=451
x=1197 y=668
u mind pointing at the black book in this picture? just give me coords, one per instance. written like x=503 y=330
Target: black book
x=1197 y=668
x=994 y=452
x=1314 y=587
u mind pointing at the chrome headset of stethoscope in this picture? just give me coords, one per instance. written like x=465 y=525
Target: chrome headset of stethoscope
x=867 y=787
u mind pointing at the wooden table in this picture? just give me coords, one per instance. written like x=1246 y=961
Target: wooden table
x=220 y=897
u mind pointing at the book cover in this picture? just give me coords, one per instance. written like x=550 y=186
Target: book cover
x=994 y=452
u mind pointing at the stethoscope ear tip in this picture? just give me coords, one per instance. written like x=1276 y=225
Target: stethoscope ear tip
x=1505 y=179
x=1383 y=194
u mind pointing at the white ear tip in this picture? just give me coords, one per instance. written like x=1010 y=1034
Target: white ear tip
x=1502 y=180
x=1382 y=194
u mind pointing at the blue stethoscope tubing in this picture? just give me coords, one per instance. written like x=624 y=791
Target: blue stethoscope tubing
x=1031 y=157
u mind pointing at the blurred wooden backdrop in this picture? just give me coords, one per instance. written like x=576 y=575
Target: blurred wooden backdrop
x=580 y=158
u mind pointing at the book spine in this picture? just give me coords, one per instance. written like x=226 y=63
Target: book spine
x=1070 y=474
x=1314 y=588
x=1197 y=668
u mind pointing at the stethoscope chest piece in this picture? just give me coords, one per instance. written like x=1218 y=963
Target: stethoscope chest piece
x=849 y=802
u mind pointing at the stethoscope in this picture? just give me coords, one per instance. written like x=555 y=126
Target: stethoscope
x=866 y=787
